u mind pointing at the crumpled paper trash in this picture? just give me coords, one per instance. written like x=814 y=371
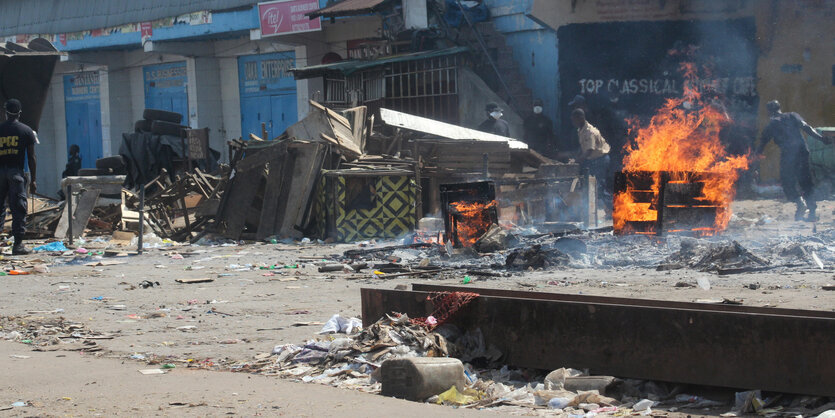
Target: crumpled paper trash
x=339 y=324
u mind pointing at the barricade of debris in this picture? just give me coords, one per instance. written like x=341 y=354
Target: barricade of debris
x=397 y=356
x=333 y=176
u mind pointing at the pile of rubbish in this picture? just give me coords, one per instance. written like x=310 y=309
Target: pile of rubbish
x=396 y=357
x=54 y=334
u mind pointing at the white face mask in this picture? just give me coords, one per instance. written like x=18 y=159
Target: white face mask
x=496 y=114
x=537 y=109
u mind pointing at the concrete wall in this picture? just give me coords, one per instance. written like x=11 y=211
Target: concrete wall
x=795 y=65
x=534 y=49
x=558 y=13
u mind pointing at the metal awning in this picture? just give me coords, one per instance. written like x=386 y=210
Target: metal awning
x=349 y=67
x=349 y=8
x=64 y=16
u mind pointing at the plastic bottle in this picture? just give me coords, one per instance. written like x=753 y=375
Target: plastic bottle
x=558 y=403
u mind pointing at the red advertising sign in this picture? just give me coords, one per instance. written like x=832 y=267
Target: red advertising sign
x=288 y=16
x=146 y=30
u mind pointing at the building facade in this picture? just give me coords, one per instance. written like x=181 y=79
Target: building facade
x=214 y=67
x=225 y=64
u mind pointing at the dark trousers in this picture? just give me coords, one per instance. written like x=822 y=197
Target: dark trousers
x=795 y=171
x=13 y=192
x=599 y=168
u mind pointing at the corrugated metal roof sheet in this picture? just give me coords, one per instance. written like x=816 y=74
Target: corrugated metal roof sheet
x=349 y=67
x=65 y=16
x=348 y=7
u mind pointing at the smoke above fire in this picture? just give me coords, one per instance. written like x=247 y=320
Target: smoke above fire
x=680 y=139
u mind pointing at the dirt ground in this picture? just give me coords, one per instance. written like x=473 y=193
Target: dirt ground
x=244 y=314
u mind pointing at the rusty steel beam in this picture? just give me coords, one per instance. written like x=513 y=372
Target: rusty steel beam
x=783 y=350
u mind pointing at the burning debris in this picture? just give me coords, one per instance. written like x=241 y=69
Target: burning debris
x=470 y=210
x=677 y=176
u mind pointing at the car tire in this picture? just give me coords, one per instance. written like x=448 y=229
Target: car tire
x=159 y=127
x=163 y=115
x=142 y=126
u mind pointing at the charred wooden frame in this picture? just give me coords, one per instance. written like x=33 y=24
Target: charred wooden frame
x=482 y=192
x=678 y=202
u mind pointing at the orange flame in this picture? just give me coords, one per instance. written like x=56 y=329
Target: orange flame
x=473 y=220
x=682 y=139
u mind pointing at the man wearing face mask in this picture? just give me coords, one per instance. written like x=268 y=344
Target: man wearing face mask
x=539 y=131
x=494 y=123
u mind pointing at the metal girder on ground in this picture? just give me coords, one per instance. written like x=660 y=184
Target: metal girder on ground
x=783 y=350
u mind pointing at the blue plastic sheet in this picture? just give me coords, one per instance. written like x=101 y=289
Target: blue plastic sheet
x=52 y=247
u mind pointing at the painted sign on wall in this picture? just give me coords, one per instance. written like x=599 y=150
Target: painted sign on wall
x=288 y=16
x=83 y=115
x=268 y=93
x=166 y=87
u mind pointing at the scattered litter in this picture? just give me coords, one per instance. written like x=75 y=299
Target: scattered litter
x=192 y=281
x=338 y=324
x=54 y=246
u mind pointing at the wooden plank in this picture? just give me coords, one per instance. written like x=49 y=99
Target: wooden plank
x=309 y=160
x=241 y=193
x=82 y=209
x=323 y=124
x=86 y=203
x=191 y=281
x=274 y=195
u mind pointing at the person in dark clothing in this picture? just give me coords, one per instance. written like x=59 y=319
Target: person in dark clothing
x=785 y=130
x=73 y=163
x=17 y=141
x=494 y=123
x=539 y=131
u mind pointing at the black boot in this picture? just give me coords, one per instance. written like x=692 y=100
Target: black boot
x=812 y=216
x=18 y=248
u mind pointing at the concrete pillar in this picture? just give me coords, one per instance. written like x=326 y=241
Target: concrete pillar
x=205 y=100
x=230 y=102
x=52 y=150
x=302 y=86
x=117 y=107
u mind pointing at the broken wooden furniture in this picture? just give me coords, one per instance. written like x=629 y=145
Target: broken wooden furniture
x=178 y=209
x=87 y=193
x=469 y=211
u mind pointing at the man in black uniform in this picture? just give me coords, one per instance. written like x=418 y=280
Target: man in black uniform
x=539 y=131
x=17 y=141
x=784 y=129
x=494 y=123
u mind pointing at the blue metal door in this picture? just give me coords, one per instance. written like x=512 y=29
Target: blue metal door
x=83 y=115
x=255 y=110
x=166 y=88
x=268 y=93
x=283 y=112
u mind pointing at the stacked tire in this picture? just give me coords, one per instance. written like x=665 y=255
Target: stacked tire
x=161 y=122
